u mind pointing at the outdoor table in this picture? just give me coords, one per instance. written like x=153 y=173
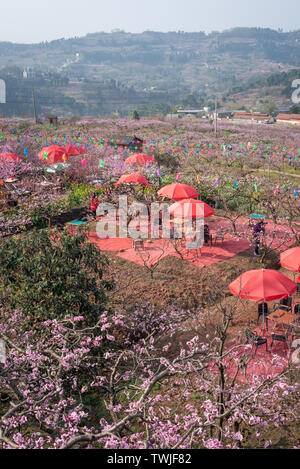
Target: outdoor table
x=177 y=221
x=185 y=223
x=282 y=317
x=180 y=223
x=219 y=236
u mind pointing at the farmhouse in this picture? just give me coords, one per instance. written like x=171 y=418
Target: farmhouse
x=225 y=114
x=251 y=116
x=293 y=119
x=191 y=112
x=52 y=120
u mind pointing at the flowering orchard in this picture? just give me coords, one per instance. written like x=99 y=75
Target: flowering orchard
x=79 y=369
x=115 y=385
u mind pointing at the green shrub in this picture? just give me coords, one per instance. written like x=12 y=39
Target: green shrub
x=24 y=125
x=168 y=160
x=79 y=193
x=49 y=274
x=38 y=218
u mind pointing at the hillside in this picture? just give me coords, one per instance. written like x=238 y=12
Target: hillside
x=259 y=92
x=106 y=72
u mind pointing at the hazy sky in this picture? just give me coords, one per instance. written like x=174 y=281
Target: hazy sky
x=45 y=20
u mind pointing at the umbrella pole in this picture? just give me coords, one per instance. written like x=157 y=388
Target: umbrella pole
x=263 y=324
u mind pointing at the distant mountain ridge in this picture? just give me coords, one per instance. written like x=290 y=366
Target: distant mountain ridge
x=225 y=53
x=156 y=67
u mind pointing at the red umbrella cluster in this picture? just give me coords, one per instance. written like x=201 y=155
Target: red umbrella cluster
x=57 y=154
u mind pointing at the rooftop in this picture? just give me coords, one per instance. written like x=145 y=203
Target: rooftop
x=289 y=117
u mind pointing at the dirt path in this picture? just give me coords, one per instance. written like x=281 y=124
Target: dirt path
x=274 y=171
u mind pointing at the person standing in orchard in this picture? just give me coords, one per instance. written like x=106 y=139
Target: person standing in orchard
x=257 y=230
x=94 y=204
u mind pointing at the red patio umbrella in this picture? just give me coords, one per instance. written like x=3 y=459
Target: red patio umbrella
x=263 y=285
x=132 y=179
x=190 y=208
x=53 y=154
x=291 y=259
x=140 y=158
x=178 y=192
x=9 y=157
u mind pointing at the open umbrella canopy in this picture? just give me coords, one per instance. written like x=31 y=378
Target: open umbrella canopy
x=263 y=285
x=291 y=259
x=71 y=150
x=9 y=157
x=190 y=208
x=255 y=216
x=132 y=179
x=140 y=158
x=178 y=192
x=53 y=154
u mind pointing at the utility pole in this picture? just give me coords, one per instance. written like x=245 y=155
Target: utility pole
x=2 y=96
x=34 y=106
x=216 y=118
